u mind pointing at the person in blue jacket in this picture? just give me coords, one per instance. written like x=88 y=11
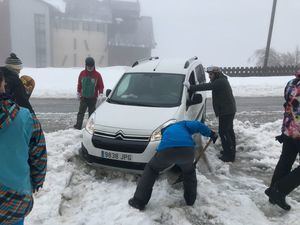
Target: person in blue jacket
x=23 y=159
x=176 y=147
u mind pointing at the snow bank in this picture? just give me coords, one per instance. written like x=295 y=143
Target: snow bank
x=62 y=82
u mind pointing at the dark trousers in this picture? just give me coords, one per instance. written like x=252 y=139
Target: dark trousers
x=227 y=135
x=184 y=158
x=85 y=103
x=285 y=179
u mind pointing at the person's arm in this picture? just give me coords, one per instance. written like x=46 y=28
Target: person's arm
x=37 y=156
x=198 y=127
x=100 y=85
x=79 y=85
x=201 y=87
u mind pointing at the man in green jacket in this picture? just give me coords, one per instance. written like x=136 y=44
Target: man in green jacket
x=224 y=107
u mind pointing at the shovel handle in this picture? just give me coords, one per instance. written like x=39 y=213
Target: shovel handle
x=201 y=151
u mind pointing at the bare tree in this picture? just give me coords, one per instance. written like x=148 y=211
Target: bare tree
x=276 y=58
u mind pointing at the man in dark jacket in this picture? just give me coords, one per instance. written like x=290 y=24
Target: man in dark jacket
x=224 y=108
x=14 y=85
x=176 y=147
x=284 y=179
x=89 y=86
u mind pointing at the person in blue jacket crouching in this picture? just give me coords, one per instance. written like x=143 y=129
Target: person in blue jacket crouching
x=176 y=147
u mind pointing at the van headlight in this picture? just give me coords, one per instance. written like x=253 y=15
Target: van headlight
x=156 y=135
x=90 y=125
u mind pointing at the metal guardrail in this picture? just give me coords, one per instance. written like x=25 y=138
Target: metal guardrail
x=260 y=71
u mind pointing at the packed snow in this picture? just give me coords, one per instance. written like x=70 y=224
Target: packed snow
x=229 y=194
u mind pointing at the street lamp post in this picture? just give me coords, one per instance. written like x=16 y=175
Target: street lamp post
x=270 y=34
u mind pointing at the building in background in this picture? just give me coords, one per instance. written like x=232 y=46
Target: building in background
x=25 y=30
x=63 y=33
x=130 y=36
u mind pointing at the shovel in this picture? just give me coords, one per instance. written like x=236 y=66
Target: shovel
x=201 y=152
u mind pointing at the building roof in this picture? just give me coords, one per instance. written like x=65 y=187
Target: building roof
x=60 y=5
x=90 y=10
x=125 y=9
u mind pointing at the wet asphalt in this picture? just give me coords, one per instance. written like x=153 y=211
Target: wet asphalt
x=60 y=114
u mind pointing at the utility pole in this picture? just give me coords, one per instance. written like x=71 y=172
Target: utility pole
x=270 y=34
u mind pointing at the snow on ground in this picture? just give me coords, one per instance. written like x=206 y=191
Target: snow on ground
x=75 y=193
x=232 y=194
x=62 y=82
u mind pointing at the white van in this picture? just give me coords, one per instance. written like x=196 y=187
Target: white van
x=125 y=129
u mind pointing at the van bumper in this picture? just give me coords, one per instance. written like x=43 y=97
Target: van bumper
x=110 y=163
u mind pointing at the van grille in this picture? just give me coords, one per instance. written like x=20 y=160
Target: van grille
x=120 y=143
x=121 y=136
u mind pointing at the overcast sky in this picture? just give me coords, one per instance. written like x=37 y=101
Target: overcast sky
x=221 y=32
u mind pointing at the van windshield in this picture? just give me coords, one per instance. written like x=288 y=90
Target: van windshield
x=149 y=89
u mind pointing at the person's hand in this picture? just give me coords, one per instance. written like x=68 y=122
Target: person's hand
x=280 y=138
x=213 y=136
x=78 y=96
x=187 y=84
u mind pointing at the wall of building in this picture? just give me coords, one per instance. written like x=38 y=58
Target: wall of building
x=122 y=55
x=22 y=26
x=5 y=31
x=72 y=45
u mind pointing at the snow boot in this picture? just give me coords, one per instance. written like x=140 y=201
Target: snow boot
x=278 y=198
x=135 y=203
x=226 y=158
x=190 y=187
x=77 y=127
x=267 y=192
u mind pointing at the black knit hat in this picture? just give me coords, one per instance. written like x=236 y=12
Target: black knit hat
x=90 y=62
x=14 y=62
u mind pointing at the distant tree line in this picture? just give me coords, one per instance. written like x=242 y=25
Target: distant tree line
x=276 y=58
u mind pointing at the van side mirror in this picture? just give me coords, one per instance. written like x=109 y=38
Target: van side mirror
x=107 y=92
x=195 y=99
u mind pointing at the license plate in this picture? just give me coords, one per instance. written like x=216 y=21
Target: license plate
x=116 y=156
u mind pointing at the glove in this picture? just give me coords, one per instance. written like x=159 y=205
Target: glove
x=213 y=136
x=187 y=84
x=280 y=138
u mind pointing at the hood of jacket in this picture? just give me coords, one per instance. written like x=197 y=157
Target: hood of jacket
x=8 y=111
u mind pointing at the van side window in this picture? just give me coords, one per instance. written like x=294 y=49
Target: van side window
x=200 y=74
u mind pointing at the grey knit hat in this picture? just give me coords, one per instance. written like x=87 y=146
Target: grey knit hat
x=13 y=62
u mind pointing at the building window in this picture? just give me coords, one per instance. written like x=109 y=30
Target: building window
x=40 y=40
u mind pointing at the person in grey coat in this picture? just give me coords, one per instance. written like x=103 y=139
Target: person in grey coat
x=224 y=107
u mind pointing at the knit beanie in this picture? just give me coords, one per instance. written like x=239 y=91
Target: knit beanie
x=13 y=62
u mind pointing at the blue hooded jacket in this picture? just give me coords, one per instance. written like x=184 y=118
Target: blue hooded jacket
x=180 y=134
